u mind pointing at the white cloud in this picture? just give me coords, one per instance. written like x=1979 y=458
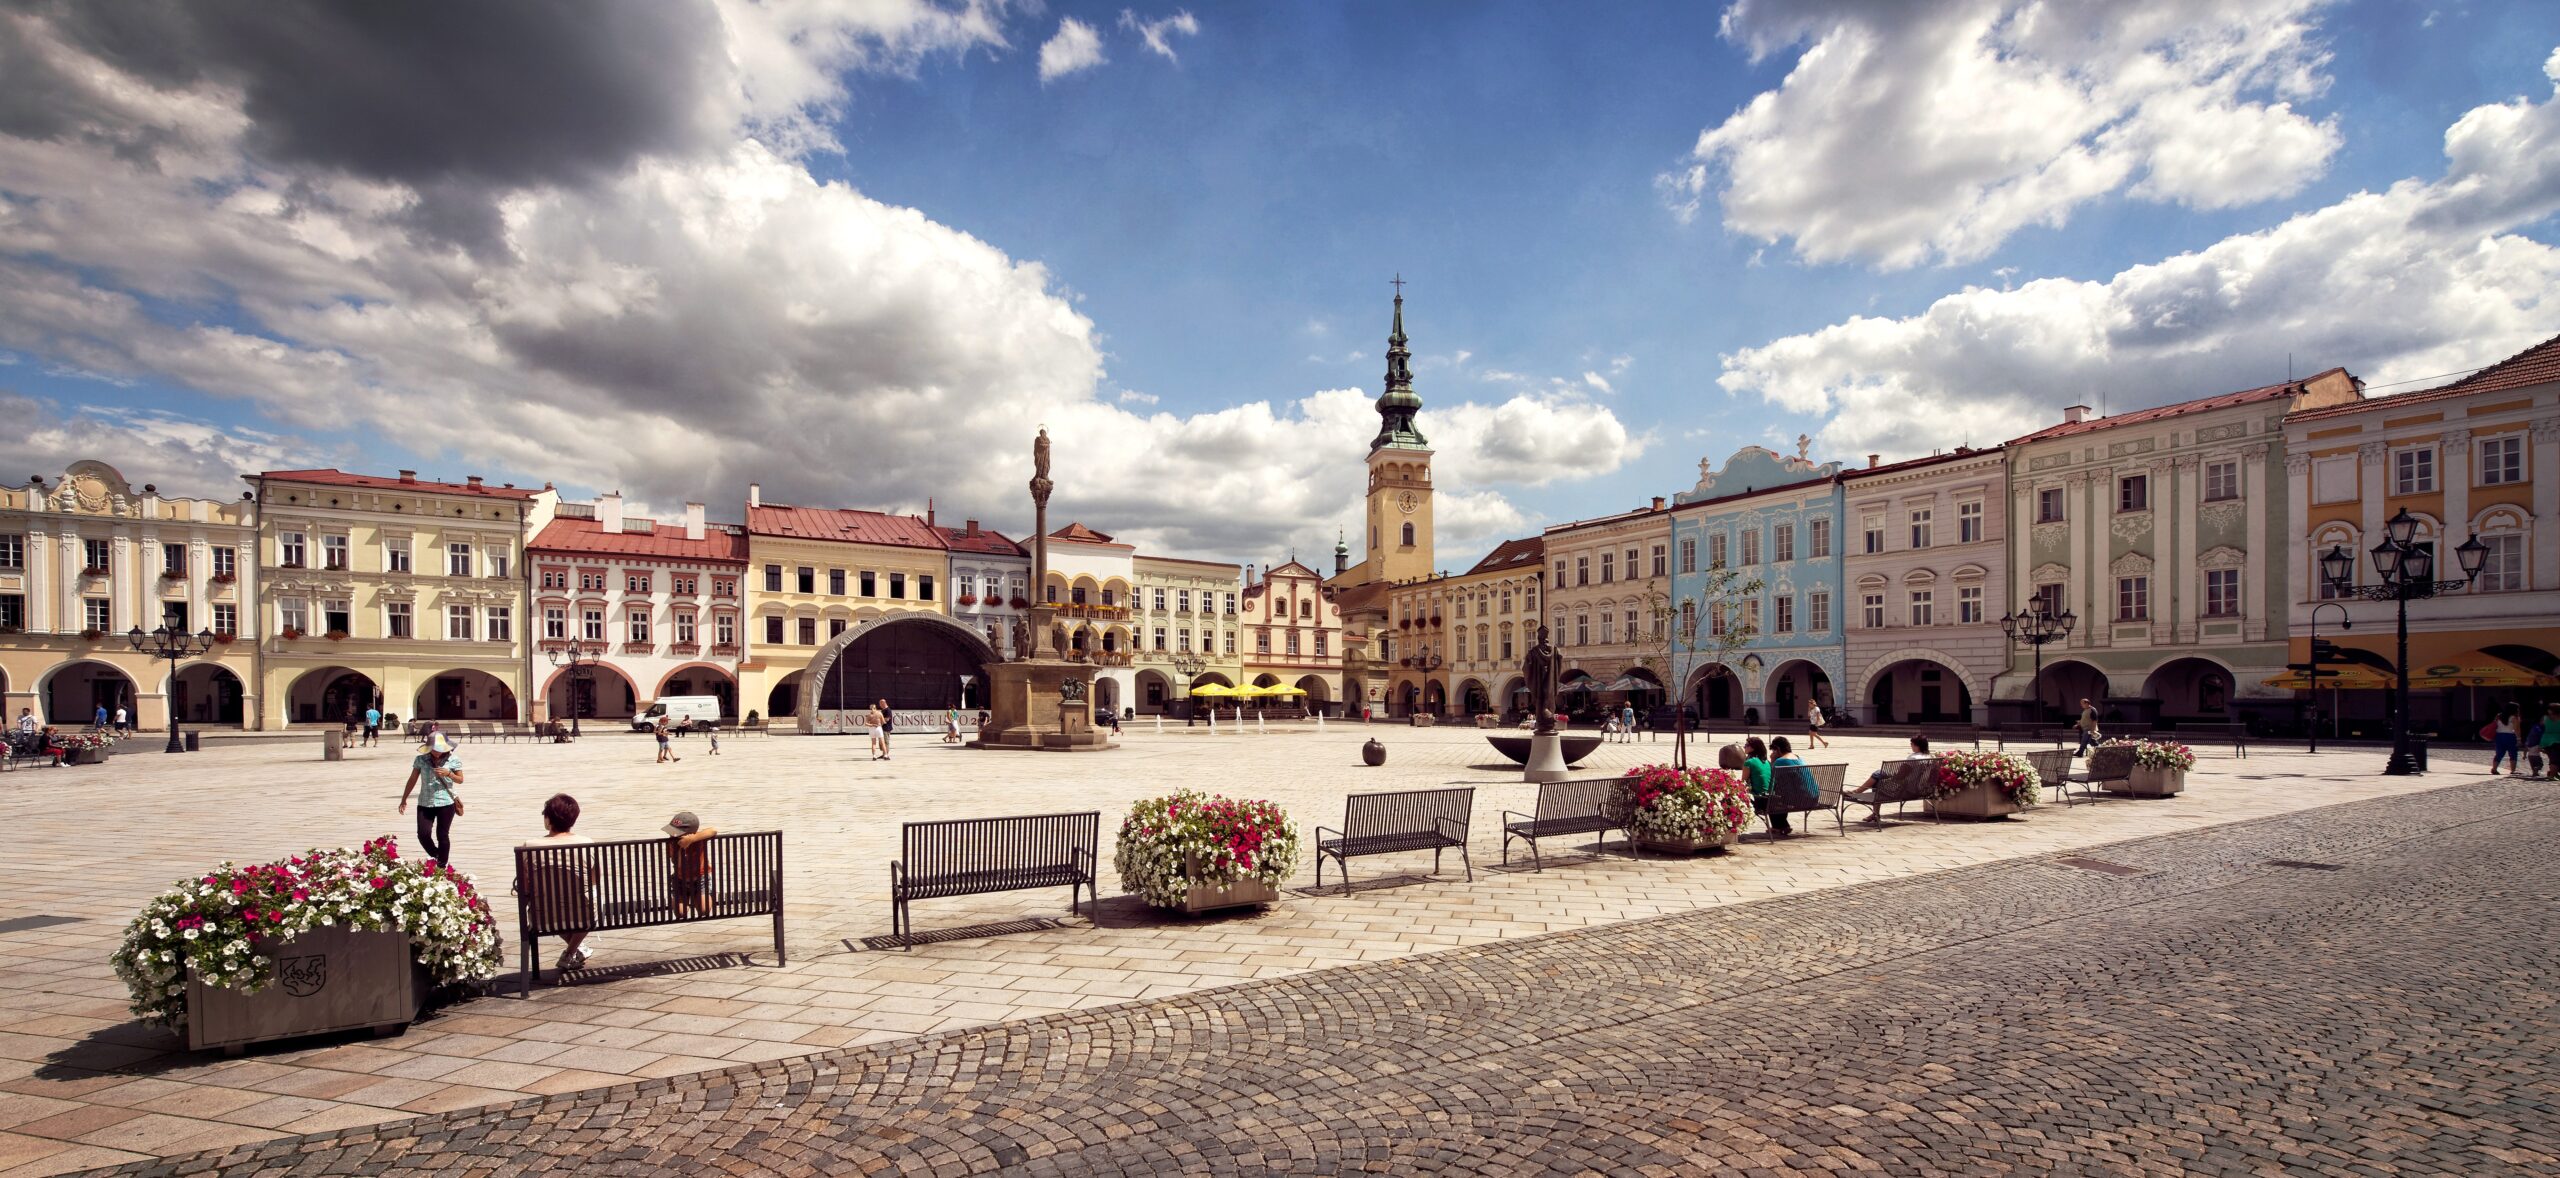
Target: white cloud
x=1076 y=46
x=1158 y=33
x=2420 y=279
x=1134 y=397
x=1597 y=381
x=183 y=456
x=1907 y=133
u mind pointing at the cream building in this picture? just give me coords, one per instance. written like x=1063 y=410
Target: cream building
x=1451 y=646
x=1613 y=583
x=404 y=592
x=86 y=560
x=1184 y=629
x=816 y=575
x=1292 y=634
x=1926 y=588
x=660 y=603
x=1092 y=581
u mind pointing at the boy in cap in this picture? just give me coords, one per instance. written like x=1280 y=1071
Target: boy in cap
x=689 y=884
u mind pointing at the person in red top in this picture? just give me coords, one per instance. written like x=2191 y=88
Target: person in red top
x=689 y=883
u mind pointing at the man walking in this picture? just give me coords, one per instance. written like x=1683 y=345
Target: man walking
x=2088 y=726
x=100 y=720
x=123 y=721
x=372 y=724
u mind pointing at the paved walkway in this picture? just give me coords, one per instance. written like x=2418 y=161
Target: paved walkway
x=2383 y=1004
x=81 y=1085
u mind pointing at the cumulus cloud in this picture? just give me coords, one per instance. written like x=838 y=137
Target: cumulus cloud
x=1076 y=46
x=673 y=317
x=183 y=456
x=2420 y=279
x=1907 y=133
x=1159 y=33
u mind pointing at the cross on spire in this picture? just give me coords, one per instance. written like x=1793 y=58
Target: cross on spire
x=1398 y=283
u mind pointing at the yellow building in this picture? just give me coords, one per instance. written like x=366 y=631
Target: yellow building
x=403 y=593
x=1184 y=623
x=87 y=560
x=1451 y=646
x=816 y=573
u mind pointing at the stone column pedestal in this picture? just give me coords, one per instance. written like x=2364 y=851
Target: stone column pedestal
x=1546 y=758
x=1025 y=710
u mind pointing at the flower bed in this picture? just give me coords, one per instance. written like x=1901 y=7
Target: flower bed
x=1172 y=846
x=214 y=926
x=2011 y=777
x=2160 y=754
x=1682 y=806
x=85 y=741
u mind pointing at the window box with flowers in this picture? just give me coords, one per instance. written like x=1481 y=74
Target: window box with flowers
x=173 y=574
x=968 y=599
x=85 y=748
x=326 y=941
x=226 y=638
x=336 y=635
x=95 y=570
x=1193 y=852
x=1680 y=810
x=92 y=634
x=2159 y=768
x=222 y=579
x=289 y=633
x=1021 y=602
x=1984 y=785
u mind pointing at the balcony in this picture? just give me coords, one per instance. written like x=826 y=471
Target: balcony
x=687 y=649
x=724 y=650
x=640 y=648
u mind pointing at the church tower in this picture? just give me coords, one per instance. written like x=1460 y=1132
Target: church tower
x=1399 y=473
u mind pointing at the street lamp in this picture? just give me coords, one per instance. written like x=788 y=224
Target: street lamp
x=2035 y=626
x=2333 y=567
x=1187 y=665
x=173 y=645
x=580 y=658
x=2407 y=569
x=1426 y=662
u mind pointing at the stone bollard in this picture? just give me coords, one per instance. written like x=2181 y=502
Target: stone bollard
x=333 y=745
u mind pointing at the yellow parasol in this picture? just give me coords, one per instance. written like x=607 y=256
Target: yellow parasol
x=1216 y=691
x=2475 y=669
x=2334 y=677
x=1277 y=689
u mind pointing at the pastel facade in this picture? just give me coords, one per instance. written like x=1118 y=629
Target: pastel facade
x=1185 y=612
x=1925 y=588
x=1452 y=645
x=1611 y=588
x=1092 y=580
x=86 y=560
x=404 y=592
x=990 y=583
x=1291 y=633
x=663 y=601
x=816 y=575
x=1776 y=520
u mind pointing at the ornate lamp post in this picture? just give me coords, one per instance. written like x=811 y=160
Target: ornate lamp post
x=2408 y=571
x=1187 y=665
x=1426 y=662
x=2035 y=626
x=580 y=658
x=173 y=645
x=2333 y=567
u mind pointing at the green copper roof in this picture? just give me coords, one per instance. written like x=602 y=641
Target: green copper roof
x=1399 y=403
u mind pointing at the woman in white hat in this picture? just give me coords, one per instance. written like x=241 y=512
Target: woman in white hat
x=438 y=805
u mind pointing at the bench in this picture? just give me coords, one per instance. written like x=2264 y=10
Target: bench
x=2108 y=763
x=30 y=746
x=1905 y=782
x=1949 y=733
x=2196 y=733
x=629 y=883
x=1431 y=820
x=973 y=856
x=1566 y=807
x=2053 y=768
x=1804 y=789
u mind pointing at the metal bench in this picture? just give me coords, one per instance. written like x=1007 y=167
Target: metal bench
x=1567 y=807
x=1431 y=820
x=2053 y=767
x=1804 y=789
x=1904 y=782
x=973 y=856
x=594 y=887
x=2195 y=733
x=2107 y=763
x=29 y=746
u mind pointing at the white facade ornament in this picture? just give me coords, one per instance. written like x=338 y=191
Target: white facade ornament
x=2220 y=515
x=2130 y=524
x=2052 y=533
x=2223 y=557
x=2050 y=573
x=2131 y=564
x=2297 y=463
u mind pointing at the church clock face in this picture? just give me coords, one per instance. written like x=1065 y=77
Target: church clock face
x=1408 y=502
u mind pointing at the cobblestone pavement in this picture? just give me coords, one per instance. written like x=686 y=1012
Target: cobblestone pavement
x=81 y=1085
x=2361 y=989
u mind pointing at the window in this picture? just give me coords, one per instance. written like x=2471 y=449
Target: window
x=835 y=626
x=1631 y=565
x=1231 y=642
x=1783 y=544
x=1688 y=555
x=1160 y=640
x=1751 y=616
x=1293 y=640
x=1608 y=628
x=1923 y=609
x=1262 y=641
x=590 y=582
x=1661 y=566
x=1716 y=551
x=498 y=565
x=898 y=586
x=684 y=584
x=555 y=624
x=226 y=561
x=1688 y=621
x=554 y=579
x=635 y=582
x=924 y=587
x=636 y=625
x=1631 y=625
x=1817 y=611
x=1506 y=642
x=2133 y=599
x=1920 y=527
x=173 y=558
x=870 y=583
x=1608 y=565
x=1871 y=535
x=1871 y=612
x=1560 y=581
x=2413 y=472
x=835 y=582
x=288 y=549
x=94 y=610
x=1817 y=538
x=2133 y=493
x=1582 y=570
x=1785 y=622
x=2221 y=480
x=291 y=614
x=2049 y=598
x=173 y=615
x=724 y=629
x=773 y=629
x=773 y=581
x=1969 y=604
x=808 y=631
x=457 y=560
x=1750 y=547
x=226 y=617
x=502 y=623
x=458 y=623
x=2502 y=570
x=2222 y=593
x=2049 y=505
x=1715 y=618
x=334 y=617
x=1582 y=629
x=333 y=552
x=1969 y=523
x=395 y=558
x=807 y=577
x=13 y=552
x=2502 y=460
x=1231 y=608
x=396 y=621
x=1408 y=535
x=591 y=625
x=684 y=629
x=1320 y=651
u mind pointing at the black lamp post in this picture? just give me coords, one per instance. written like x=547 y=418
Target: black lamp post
x=580 y=658
x=2320 y=650
x=2035 y=626
x=1188 y=665
x=173 y=645
x=2407 y=570
x=1426 y=662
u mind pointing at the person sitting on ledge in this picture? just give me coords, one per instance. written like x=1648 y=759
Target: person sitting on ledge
x=1866 y=794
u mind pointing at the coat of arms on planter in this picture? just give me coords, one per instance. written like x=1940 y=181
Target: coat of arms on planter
x=303 y=976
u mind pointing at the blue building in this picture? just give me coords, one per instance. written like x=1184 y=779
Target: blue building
x=1777 y=519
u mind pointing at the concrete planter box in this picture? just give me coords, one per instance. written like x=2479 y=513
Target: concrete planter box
x=328 y=979
x=1421 y=720
x=2153 y=783
x=1980 y=801
x=1702 y=841
x=86 y=756
x=1205 y=897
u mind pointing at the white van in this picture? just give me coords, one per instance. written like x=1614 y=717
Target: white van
x=684 y=713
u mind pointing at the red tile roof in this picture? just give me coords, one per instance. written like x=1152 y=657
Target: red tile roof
x=1080 y=534
x=586 y=537
x=844 y=525
x=2273 y=392
x=340 y=478
x=1512 y=554
x=987 y=542
x=1955 y=455
x=2537 y=365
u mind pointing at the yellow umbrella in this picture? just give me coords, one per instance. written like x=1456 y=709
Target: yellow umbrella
x=2474 y=669
x=1279 y=690
x=1215 y=690
x=2334 y=676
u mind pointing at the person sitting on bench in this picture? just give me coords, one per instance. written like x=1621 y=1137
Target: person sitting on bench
x=1919 y=752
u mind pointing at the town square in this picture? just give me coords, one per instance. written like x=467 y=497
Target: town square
x=957 y=587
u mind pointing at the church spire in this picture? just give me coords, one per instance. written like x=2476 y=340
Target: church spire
x=1399 y=403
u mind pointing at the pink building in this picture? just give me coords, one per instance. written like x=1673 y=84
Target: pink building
x=661 y=600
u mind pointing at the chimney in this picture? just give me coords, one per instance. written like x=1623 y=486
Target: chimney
x=928 y=511
x=1657 y=503
x=2075 y=414
x=692 y=521
x=973 y=528
x=609 y=512
x=755 y=494
x=408 y=476
x=474 y=480
x=1872 y=459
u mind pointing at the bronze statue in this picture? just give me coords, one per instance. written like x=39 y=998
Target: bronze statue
x=1021 y=638
x=1539 y=667
x=1040 y=483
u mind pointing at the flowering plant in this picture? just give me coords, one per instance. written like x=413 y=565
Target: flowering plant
x=1169 y=843
x=289 y=633
x=215 y=926
x=70 y=741
x=1019 y=601
x=92 y=634
x=2011 y=775
x=1672 y=803
x=2160 y=754
x=968 y=599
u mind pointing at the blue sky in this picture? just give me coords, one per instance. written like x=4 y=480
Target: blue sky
x=1169 y=257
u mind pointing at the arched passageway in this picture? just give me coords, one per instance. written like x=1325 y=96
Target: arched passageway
x=205 y=693
x=604 y=694
x=1919 y=691
x=467 y=694
x=74 y=692
x=324 y=695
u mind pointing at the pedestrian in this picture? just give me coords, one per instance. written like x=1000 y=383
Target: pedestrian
x=2088 y=727
x=438 y=803
x=26 y=722
x=1813 y=723
x=871 y=722
x=568 y=897
x=2504 y=740
x=689 y=883
x=372 y=725
x=124 y=719
x=715 y=741
x=100 y=722
x=665 y=753
x=2550 y=741
x=1627 y=720
x=951 y=727
x=888 y=725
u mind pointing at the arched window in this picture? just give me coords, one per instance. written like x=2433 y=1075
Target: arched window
x=1408 y=535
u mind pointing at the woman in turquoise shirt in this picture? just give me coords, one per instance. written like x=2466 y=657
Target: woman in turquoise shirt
x=1782 y=755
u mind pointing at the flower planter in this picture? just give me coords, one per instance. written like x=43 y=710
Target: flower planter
x=2148 y=782
x=1701 y=841
x=328 y=979
x=86 y=756
x=1979 y=801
